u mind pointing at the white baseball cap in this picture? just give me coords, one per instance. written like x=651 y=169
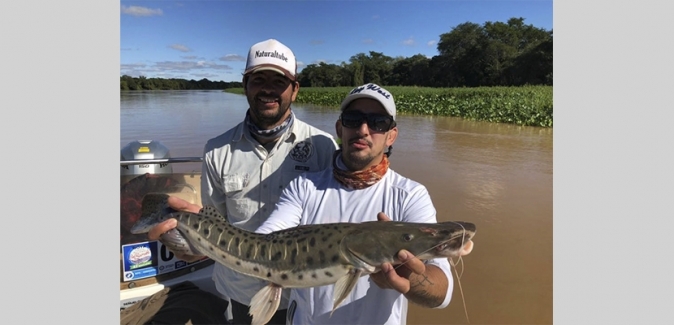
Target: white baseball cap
x=375 y=92
x=274 y=56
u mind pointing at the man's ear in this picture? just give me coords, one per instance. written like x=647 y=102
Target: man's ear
x=338 y=128
x=391 y=136
x=296 y=89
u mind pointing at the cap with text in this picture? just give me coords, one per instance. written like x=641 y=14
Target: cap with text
x=271 y=55
x=372 y=91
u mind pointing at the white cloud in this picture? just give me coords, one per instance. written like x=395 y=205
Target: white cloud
x=141 y=11
x=368 y=41
x=190 y=65
x=431 y=43
x=233 y=57
x=179 y=47
x=409 y=42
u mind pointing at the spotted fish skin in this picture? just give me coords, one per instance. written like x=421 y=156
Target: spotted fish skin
x=307 y=255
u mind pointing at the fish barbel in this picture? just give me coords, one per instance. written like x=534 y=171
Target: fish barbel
x=306 y=255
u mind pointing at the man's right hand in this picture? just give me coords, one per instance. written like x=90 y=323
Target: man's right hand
x=156 y=232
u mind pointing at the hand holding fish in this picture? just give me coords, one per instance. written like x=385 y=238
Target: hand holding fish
x=411 y=278
x=164 y=230
x=398 y=279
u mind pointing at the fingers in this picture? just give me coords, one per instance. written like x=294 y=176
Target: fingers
x=381 y=216
x=161 y=228
x=394 y=280
x=397 y=278
x=411 y=262
x=179 y=204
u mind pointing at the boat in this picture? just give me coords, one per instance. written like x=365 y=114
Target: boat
x=147 y=267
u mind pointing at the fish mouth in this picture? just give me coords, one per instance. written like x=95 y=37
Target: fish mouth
x=458 y=244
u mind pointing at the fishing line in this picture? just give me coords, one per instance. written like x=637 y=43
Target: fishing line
x=458 y=278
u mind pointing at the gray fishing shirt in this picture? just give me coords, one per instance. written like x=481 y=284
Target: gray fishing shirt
x=244 y=181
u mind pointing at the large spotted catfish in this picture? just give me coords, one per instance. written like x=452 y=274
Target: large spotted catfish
x=304 y=256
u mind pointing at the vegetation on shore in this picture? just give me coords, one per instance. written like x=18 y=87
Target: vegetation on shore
x=525 y=105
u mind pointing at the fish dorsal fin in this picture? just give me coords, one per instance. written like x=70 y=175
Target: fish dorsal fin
x=344 y=286
x=265 y=303
x=211 y=211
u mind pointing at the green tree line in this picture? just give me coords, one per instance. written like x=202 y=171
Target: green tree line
x=143 y=83
x=470 y=55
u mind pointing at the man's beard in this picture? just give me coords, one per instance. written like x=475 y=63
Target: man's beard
x=354 y=160
x=266 y=119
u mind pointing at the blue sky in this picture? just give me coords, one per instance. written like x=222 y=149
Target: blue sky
x=195 y=39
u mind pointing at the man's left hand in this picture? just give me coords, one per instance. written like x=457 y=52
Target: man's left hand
x=397 y=278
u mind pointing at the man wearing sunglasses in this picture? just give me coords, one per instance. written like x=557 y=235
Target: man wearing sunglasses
x=359 y=187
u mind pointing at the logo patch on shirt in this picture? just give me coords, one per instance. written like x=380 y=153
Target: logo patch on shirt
x=302 y=151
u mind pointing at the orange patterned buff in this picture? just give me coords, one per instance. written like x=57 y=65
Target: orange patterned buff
x=359 y=179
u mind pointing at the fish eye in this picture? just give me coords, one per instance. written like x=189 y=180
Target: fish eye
x=408 y=237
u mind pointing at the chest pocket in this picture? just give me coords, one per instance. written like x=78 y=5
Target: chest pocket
x=234 y=184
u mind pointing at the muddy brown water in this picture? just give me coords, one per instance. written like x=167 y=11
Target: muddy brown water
x=497 y=176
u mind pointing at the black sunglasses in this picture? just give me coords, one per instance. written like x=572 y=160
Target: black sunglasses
x=377 y=122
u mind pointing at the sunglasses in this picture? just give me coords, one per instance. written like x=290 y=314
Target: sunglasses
x=377 y=122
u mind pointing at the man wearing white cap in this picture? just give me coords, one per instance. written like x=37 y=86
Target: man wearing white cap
x=359 y=187
x=246 y=168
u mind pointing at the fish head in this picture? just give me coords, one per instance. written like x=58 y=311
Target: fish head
x=379 y=242
x=154 y=210
x=456 y=238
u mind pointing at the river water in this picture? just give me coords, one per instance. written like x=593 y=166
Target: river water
x=497 y=176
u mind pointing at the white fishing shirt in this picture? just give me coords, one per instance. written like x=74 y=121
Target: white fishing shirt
x=316 y=198
x=244 y=181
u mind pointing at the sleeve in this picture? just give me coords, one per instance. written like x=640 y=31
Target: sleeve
x=288 y=211
x=419 y=208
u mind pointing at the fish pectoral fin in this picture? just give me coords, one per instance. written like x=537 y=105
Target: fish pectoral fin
x=176 y=243
x=344 y=286
x=265 y=303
